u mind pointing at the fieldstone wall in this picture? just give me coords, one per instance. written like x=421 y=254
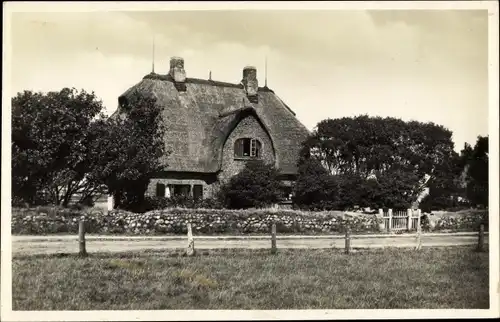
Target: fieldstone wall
x=173 y=221
x=45 y=220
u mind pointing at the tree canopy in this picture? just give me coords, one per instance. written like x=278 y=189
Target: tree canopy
x=395 y=154
x=477 y=174
x=62 y=145
x=363 y=144
x=52 y=137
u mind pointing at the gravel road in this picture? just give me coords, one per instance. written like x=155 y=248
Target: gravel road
x=30 y=245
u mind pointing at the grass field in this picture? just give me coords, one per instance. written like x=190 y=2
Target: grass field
x=432 y=278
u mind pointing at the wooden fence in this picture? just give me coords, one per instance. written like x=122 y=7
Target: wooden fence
x=191 y=250
x=401 y=220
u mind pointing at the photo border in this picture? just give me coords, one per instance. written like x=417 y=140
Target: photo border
x=195 y=315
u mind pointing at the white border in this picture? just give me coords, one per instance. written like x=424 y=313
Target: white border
x=6 y=303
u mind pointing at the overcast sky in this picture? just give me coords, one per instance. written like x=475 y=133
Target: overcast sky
x=421 y=65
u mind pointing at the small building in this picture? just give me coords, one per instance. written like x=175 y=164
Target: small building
x=213 y=128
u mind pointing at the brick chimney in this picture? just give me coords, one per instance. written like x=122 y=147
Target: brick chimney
x=178 y=73
x=250 y=83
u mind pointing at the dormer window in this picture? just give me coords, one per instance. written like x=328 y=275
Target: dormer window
x=247 y=148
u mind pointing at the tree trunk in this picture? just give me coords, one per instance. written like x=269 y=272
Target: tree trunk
x=67 y=195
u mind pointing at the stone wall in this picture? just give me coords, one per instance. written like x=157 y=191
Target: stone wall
x=204 y=221
x=248 y=127
x=46 y=220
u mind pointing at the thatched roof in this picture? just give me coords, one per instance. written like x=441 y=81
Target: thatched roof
x=199 y=120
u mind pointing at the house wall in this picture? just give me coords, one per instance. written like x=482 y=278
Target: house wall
x=248 y=127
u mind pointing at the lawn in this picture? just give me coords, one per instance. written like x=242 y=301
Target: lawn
x=433 y=278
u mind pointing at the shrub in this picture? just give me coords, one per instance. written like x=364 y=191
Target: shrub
x=315 y=189
x=256 y=186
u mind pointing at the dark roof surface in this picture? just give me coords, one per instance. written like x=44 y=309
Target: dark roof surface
x=199 y=120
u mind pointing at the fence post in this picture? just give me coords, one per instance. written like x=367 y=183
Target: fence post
x=419 y=220
x=480 y=242
x=389 y=227
x=273 y=239
x=81 y=238
x=381 y=226
x=190 y=247
x=409 y=219
x=111 y=203
x=419 y=231
x=347 y=240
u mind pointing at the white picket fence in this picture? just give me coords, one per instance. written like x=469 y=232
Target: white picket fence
x=401 y=220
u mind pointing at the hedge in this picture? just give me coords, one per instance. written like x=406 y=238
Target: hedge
x=172 y=221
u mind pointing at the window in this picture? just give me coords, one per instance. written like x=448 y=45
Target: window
x=286 y=193
x=198 y=192
x=160 y=190
x=247 y=148
x=181 y=190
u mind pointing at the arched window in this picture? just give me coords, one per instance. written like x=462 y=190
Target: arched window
x=247 y=148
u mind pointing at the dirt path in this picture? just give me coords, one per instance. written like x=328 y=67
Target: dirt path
x=29 y=245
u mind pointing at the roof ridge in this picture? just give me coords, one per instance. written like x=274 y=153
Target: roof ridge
x=192 y=80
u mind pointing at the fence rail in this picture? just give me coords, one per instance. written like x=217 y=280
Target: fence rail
x=400 y=220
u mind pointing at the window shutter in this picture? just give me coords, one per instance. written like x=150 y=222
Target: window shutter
x=198 y=192
x=253 y=148
x=238 y=148
x=160 y=190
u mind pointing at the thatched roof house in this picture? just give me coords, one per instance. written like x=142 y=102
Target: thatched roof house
x=214 y=127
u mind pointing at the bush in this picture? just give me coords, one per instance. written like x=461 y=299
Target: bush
x=315 y=189
x=256 y=186
x=436 y=202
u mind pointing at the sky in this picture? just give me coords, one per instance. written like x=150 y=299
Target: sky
x=425 y=65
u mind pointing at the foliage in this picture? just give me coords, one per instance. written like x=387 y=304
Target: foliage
x=477 y=172
x=375 y=162
x=63 y=145
x=364 y=144
x=468 y=183
x=130 y=151
x=315 y=189
x=257 y=185
x=446 y=191
x=52 y=138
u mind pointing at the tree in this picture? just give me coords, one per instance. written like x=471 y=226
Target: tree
x=257 y=185
x=63 y=145
x=130 y=151
x=51 y=142
x=477 y=172
x=364 y=145
x=446 y=190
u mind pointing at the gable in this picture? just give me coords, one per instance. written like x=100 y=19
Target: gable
x=235 y=153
